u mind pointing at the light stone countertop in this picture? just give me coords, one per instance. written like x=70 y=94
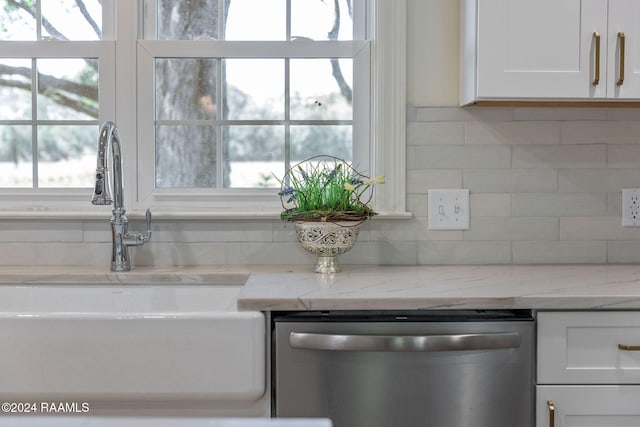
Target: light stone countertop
x=447 y=287
x=294 y=287
x=80 y=275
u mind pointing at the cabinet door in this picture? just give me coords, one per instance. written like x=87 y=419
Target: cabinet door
x=585 y=347
x=624 y=18
x=540 y=49
x=587 y=406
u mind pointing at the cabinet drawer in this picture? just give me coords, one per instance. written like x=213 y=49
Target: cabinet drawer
x=587 y=405
x=583 y=348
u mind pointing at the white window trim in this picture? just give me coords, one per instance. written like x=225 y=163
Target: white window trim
x=387 y=153
x=217 y=200
x=389 y=105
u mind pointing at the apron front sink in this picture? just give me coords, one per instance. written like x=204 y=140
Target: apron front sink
x=151 y=341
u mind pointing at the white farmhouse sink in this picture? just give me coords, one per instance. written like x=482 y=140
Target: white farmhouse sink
x=124 y=342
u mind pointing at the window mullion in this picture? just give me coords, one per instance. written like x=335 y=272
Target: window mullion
x=34 y=97
x=360 y=14
x=287 y=115
x=222 y=24
x=220 y=114
x=288 y=21
x=220 y=155
x=34 y=121
x=108 y=20
x=149 y=22
x=287 y=97
x=39 y=20
x=260 y=49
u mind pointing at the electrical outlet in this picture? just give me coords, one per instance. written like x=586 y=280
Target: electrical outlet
x=448 y=209
x=631 y=207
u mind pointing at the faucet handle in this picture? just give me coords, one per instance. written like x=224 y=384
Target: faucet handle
x=138 y=238
x=148 y=216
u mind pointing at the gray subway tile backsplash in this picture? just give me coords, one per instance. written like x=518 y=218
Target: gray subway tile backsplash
x=512 y=133
x=545 y=187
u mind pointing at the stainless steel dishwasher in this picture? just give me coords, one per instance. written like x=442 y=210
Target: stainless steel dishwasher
x=450 y=368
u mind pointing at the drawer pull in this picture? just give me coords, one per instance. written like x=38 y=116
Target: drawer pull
x=596 y=80
x=552 y=413
x=629 y=347
x=621 y=44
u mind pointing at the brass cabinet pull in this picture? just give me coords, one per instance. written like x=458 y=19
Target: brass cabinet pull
x=596 y=80
x=621 y=43
x=552 y=413
x=629 y=347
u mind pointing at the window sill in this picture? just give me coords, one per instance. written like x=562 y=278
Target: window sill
x=105 y=213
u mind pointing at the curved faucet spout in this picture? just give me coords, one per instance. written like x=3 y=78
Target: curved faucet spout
x=109 y=139
x=121 y=238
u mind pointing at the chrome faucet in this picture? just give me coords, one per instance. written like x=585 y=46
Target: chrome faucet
x=121 y=238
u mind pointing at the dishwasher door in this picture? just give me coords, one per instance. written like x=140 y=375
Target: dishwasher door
x=426 y=369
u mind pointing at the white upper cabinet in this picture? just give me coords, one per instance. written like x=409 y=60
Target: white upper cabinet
x=624 y=22
x=568 y=50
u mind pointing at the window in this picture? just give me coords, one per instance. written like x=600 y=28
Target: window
x=242 y=91
x=53 y=77
x=212 y=102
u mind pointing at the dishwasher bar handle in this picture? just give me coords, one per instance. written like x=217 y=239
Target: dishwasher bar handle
x=404 y=343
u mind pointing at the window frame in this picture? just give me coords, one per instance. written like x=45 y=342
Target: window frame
x=384 y=152
x=219 y=198
x=64 y=202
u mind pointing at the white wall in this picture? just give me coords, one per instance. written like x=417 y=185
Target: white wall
x=432 y=75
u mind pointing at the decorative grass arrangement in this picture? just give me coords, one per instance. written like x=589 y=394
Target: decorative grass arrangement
x=326 y=188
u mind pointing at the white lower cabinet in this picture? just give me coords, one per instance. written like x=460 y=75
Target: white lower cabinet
x=588 y=406
x=588 y=369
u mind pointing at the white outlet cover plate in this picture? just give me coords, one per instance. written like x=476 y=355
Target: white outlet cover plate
x=448 y=209
x=631 y=207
